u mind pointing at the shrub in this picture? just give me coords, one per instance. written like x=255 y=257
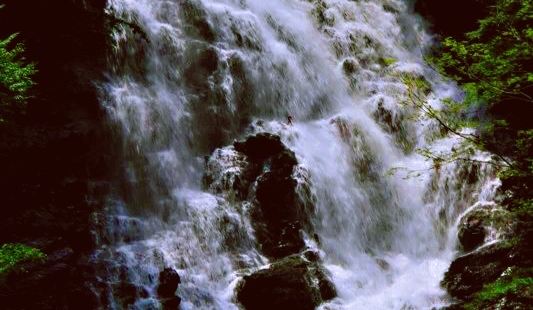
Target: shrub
x=15 y=77
x=13 y=254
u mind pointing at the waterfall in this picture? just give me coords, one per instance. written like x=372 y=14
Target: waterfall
x=188 y=77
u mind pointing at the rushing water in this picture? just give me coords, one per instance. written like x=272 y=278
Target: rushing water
x=190 y=76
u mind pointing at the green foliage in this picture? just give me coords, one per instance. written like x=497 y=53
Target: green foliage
x=524 y=148
x=389 y=61
x=12 y=255
x=15 y=76
x=498 y=289
x=492 y=62
x=524 y=207
x=416 y=84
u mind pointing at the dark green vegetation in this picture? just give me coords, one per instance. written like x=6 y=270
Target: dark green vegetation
x=15 y=77
x=12 y=255
x=492 y=63
x=490 y=57
x=513 y=288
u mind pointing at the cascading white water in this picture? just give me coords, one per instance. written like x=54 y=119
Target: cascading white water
x=190 y=76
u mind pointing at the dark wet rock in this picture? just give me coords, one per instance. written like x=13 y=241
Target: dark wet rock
x=172 y=303
x=325 y=286
x=169 y=280
x=386 y=118
x=475 y=225
x=321 y=15
x=467 y=274
x=471 y=233
x=391 y=8
x=482 y=279
x=194 y=14
x=520 y=299
x=40 y=279
x=279 y=215
x=383 y=264
x=126 y=293
x=511 y=291
x=260 y=147
x=260 y=169
x=290 y=283
x=394 y=123
x=350 y=66
x=204 y=65
x=281 y=240
x=312 y=256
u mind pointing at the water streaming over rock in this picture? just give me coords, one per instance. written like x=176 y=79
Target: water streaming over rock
x=189 y=77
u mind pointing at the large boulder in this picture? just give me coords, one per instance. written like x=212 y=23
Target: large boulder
x=279 y=211
x=467 y=274
x=264 y=172
x=279 y=215
x=476 y=226
x=290 y=283
x=232 y=170
x=471 y=233
x=169 y=281
x=260 y=147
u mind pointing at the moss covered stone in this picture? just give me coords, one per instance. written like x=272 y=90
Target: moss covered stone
x=507 y=292
x=290 y=283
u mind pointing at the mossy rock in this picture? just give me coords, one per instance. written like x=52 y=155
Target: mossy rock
x=322 y=18
x=468 y=273
x=476 y=224
x=350 y=66
x=513 y=290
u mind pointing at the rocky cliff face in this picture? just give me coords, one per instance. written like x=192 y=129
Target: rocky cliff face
x=55 y=159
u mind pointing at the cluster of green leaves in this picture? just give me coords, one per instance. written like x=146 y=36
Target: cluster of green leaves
x=388 y=61
x=13 y=254
x=492 y=62
x=15 y=76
